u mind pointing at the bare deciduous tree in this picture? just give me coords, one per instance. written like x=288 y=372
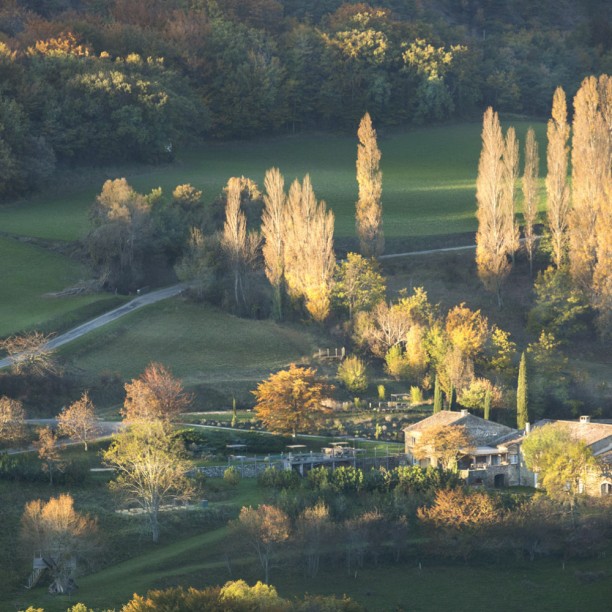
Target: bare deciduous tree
x=368 y=218
x=530 y=194
x=557 y=188
x=79 y=420
x=29 y=353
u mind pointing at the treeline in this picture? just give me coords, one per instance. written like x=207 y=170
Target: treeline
x=89 y=82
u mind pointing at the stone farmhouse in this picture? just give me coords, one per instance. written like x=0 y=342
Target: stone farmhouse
x=494 y=457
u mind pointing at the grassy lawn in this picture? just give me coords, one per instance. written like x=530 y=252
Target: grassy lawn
x=198 y=342
x=428 y=180
x=28 y=273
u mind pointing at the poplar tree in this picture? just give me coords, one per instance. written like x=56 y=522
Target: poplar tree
x=437 y=405
x=309 y=259
x=273 y=230
x=496 y=235
x=510 y=175
x=590 y=233
x=368 y=218
x=239 y=245
x=557 y=188
x=530 y=194
x=521 y=395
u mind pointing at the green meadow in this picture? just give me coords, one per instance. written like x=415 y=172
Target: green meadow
x=428 y=180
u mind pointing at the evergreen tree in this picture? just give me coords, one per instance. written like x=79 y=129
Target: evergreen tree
x=368 y=218
x=437 y=406
x=521 y=395
x=452 y=398
x=487 y=405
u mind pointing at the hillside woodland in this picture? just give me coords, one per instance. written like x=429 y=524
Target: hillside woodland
x=87 y=82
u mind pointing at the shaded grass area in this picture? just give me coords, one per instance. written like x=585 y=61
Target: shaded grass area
x=199 y=561
x=428 y=180
x=28 y=273
x=198 y=342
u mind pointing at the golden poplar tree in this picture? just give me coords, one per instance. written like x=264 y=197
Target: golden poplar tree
x=239 y=245
x=589 y=221
x=590 y=174
x=273 y=230
x=510 y=176
x=496 y=235
x=530 y=194
x=368 y=218
x=557 y=188
x=309 y=259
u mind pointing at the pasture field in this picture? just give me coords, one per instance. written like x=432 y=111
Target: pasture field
x=201 y=344
x=29 y=272
x=199 y=561
x=428 y=180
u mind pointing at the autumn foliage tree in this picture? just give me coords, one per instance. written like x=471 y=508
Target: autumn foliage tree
x=589 y=221
x=12 y=421
x=273 y=224
x=58 y=533
x=496 y=238
x=291 y=400
x=241 y=246
x=156 y=394
x=530 y=194
x=557 y=187
x=78 y=420
x=149 y=469
x=368 y=218
x=309 y=259
x=442 y=444
x=49 y=452
x=264 y=529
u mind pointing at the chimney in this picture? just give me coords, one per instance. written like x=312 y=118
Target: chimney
x=527 y=428
x=464 y=412
x=585 y=419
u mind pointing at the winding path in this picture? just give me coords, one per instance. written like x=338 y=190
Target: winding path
x=167 y=292
x=108 y=317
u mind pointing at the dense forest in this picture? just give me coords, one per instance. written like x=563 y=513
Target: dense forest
x=95 y=81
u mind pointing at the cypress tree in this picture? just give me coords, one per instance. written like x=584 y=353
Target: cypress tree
x=521 y=394
x=437 y=406
x=452 y=398
x=487 y=405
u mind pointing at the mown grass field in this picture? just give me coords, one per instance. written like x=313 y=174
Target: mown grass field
x=198 y=342
x=428 y=180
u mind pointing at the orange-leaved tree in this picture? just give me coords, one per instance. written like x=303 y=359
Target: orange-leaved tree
x=291 y=400
x=156 y=395
x=443 y=444
x=79 y=420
